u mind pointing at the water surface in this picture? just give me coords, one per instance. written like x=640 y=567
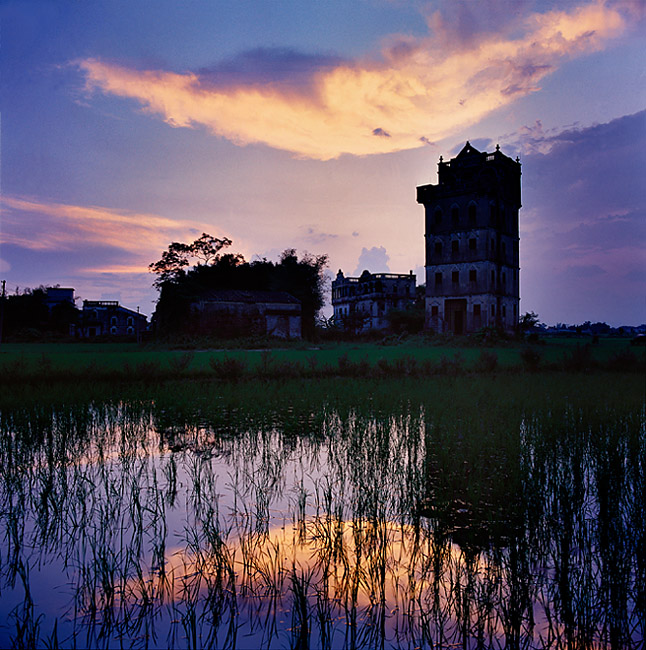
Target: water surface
x=458 y=513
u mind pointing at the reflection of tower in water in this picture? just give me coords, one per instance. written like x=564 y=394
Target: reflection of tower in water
x=474 y=487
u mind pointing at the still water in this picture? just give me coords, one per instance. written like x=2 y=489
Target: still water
x=347 y=519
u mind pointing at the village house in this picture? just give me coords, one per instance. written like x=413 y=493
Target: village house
x=236 y=312
x=364 y=302
x=472 y=242
x=55 y=296
x=109 y=318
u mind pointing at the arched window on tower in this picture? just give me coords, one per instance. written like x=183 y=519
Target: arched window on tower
x=455 y=214
x=437 y=216
x=473 y=214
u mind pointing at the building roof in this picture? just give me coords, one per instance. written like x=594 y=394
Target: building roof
x=110 y=305
x=250 y=297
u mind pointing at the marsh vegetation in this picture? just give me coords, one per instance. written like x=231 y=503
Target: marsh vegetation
x=467 y=511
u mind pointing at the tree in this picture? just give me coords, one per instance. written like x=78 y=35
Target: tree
x=528 y=321
x=171 y=267
x=302 y=278
x=206 y=248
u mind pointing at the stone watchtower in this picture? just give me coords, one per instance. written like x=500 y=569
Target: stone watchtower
x=472 y=269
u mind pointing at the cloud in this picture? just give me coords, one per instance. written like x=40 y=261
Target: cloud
x=583 y=222
x=316 y=237
x=374 y=260
x=47 y=226
x=267 y=65
x=589 y=175
x=419 y=89
x=583 y=271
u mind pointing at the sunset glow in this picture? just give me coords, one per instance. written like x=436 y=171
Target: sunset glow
x=286 y=125
x=422 y=92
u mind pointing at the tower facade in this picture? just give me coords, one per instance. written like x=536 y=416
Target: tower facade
x=472 y=242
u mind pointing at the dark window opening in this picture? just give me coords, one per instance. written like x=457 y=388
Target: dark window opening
x=504 y=280
x=438 y=279
x=472 y=244
x=504 y=249
x=455 y=214
x=472 y=276
x=438 y=216
x=493 y=310
x=434 y=311
x=476 y=311
x=438 y=248
x=455 y=277
x=455 y=247
x=472 y=213
x=492 y=215
x=504 y=311
x=493 y=278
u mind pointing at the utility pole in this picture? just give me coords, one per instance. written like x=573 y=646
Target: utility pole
x=4 y=282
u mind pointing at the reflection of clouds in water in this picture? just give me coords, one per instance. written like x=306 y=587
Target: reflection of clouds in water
x=360 y=567
x=420 y=520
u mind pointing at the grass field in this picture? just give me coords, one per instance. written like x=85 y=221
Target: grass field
x=114 y=356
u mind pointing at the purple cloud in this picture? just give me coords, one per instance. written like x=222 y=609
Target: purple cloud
x=268 y=65
x=588 y=173
x=583 y=222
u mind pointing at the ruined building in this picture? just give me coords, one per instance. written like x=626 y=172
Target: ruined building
x=363 y=303
x=472 y=269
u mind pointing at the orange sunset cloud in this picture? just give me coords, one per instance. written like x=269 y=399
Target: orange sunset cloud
x=420 y=89
x=59 y=226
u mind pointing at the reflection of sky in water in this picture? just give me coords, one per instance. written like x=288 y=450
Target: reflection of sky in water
x=367 y=531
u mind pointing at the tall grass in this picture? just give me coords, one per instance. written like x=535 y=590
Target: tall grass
x=471 y=510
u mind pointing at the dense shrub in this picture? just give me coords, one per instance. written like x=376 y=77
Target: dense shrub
x=405 y=366
x=531 y=358
x=228 y=367
x=451 y=367
x=349 y=368
x=486 y=362
x=180 y=363
x=623 y=360
x=579 y=359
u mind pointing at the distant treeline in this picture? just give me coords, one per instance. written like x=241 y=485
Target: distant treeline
x=27 y=315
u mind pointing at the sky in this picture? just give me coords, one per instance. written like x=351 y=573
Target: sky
x=125 y=126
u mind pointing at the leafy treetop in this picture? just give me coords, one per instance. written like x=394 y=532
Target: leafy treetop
x=170 y=268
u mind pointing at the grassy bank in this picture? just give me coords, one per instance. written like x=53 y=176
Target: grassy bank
x=414 y=357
